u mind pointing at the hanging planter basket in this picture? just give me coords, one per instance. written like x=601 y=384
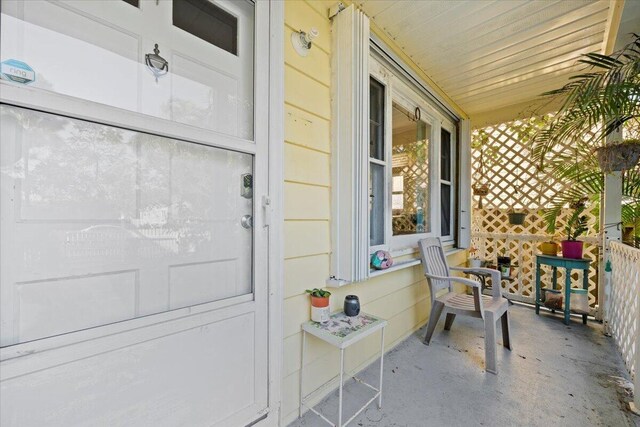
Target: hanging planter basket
x=480 y=189
x=618 y=157
x=517 y=218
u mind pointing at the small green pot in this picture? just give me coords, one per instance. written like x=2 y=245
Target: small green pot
x=517 y=218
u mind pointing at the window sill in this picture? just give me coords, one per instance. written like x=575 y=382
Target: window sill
x=395 y=267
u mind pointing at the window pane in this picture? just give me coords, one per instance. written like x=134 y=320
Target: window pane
x=376 y=120
x=445 y=209
x=106 y=224
x=207 y=21
x=84 y=49
x=445 y=155
x=376 y=204
x=410 y=163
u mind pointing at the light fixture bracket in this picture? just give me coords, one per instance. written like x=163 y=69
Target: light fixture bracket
x=302 y=41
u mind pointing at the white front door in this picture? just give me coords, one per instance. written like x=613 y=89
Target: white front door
x=133 y=259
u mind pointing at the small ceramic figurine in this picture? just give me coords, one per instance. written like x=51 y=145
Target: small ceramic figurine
x=381 y=260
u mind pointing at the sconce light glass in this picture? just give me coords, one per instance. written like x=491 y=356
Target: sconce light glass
x=156 y=63
x=301 y=41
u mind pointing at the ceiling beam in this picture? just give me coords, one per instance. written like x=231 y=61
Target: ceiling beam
x=613 y=24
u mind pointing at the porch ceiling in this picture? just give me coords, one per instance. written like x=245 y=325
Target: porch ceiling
x=492 y=55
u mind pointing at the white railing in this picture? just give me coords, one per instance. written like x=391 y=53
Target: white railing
x=522 y=248
x=623 y=306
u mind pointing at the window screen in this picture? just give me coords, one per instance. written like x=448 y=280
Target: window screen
x=446 y=184
x=376 y=163
x=207 y=21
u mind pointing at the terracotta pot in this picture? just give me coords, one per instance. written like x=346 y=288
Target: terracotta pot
x=572 y=249
x=319 y=301
x=618 y=157
x=549 y=248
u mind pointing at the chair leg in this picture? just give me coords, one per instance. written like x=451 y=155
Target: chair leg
x=449 y=321
x=490 y=350
x=506 y=339
x=436 y=311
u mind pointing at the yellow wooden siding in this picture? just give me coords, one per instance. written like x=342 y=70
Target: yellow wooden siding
x=401 y=297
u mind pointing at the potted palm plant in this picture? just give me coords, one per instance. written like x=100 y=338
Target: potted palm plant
x=576 y=226
x=596 y=104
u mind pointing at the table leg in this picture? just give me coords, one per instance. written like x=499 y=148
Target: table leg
x=585 y=285
x=304 y=336
x=555 y=278
x=340 y=389
x=537 y=288
x=567 y=298
x=381 y=367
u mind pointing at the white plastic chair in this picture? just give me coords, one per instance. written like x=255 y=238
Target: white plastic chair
x=490 y=308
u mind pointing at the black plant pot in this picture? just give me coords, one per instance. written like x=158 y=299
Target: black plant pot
x=517 y=218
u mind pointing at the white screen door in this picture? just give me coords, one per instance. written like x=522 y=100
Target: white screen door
x=133 y=255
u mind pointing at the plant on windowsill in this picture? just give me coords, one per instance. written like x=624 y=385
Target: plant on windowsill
x=576 y=226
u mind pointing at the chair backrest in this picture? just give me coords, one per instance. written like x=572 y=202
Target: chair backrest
x=434 y=263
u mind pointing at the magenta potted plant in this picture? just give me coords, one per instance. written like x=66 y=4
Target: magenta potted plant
x=576 y=226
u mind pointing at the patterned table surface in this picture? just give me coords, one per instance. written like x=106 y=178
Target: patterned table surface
x=341 y=330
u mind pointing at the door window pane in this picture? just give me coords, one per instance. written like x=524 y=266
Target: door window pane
x=410 y=162
x=93 y=51
x=207 y=21
x=101 y=224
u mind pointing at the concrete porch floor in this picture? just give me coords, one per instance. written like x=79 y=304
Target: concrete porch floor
x=556 y=375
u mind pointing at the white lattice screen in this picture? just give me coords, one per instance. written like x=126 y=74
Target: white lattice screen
x=514 y=182
x=624 y=306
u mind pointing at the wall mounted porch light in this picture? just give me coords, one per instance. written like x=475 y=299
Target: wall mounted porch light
x=301 y=41
x=156 y=63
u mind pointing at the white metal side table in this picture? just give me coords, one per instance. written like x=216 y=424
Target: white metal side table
x=341 y=331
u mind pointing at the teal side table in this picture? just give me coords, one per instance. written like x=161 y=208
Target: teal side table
x=568 y=264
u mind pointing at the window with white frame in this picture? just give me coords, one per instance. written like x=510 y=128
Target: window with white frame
x=412 y=165
x=398 y=174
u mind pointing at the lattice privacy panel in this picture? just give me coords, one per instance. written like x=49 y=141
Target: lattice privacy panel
x=624 y=306
x=514 y=182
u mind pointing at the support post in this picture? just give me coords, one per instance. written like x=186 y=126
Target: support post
x=610 y=219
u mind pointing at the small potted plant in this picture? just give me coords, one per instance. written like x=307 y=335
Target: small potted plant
x=474 y=259
x=549 y=248
x=515 y=217
x=319 y=304
x=576 y=226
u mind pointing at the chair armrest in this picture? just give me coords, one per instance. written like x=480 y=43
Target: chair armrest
x=467 y=282
x=495 y=275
